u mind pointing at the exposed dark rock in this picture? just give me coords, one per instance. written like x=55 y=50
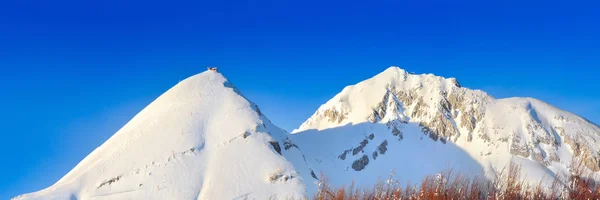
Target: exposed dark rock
x=420 y=109
x=408 y=98
x=398 y=133
x=288 y=144
x=109 y=182
x=361 y=163
x=443 y=140
x=312 y=173
x=360 y=148
x=382 y=148
x=372 y=118
x=246 y=134
x=395 y=130
x=379 y=111
x=189 y=151
x=343 y=155
x=428 y=132
x=276 y=146
x=375 y=155
x=257 y=110
x=371 y=136
x=439 y=127
x=454 y=82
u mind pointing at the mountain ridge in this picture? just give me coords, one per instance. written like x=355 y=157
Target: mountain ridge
x=203 y=139
x=493 y=131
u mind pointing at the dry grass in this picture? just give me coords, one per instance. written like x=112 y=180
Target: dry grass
x=450 y=185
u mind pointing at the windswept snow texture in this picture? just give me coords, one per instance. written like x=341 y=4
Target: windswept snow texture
x=429 y=123
x=200 y=140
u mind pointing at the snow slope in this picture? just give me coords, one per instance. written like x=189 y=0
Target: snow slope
x=422 y=124
x=203 y=139
x=200 y=140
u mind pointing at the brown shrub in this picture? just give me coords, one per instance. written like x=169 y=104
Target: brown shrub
x=448 y=185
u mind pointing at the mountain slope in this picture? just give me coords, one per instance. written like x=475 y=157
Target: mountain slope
x=200 y=140
x=203 y=139
x=421 y=124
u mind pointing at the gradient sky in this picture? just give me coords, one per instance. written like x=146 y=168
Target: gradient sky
x=73 y=72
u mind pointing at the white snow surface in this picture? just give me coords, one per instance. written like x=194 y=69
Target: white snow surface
x=498 y=125
x=189 y=144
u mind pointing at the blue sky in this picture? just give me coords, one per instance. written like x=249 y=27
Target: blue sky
x=73 y=72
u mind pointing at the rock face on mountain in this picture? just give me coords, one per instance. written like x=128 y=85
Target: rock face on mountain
x=202 y=139
x=396 y=106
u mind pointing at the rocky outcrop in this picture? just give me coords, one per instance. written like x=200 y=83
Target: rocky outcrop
x=441 y=127
x=343 y=155
x=539 y=155
x=518 y=148
x=388 y=103
x=110 y=182
x=335 y=116
x=454 y=82
x=452 y=108
x=288 y=144
x=360 y=163
x=462 y=109
x=356 y=150
x=280 y=176
x=382 y=148
x=395 y=126
x=380 y=110
x=276 y=146
x=577 y=144
x=360 y=147
x=445 y=111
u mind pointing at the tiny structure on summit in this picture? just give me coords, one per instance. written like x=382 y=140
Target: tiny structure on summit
x=212 y=69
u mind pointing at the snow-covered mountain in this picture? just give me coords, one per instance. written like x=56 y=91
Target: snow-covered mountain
x=422 y=124
x=202 y=139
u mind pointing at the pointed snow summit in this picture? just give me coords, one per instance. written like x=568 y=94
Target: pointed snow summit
x=423 y=124
x=201 y=139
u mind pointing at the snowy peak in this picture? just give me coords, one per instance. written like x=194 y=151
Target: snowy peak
x=202 y=139
x=365 y=100
x=493 y=131
x=395 y=75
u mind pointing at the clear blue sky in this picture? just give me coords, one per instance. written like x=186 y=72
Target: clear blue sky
x=73 y=72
